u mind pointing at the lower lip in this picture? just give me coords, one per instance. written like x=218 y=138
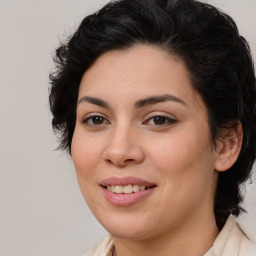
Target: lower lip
x=126 y=199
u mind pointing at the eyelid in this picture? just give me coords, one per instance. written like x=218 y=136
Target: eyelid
x=161 y=113
x=171 y=120
x=88 y=116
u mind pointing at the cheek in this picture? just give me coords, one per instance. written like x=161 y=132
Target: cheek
x=185 y=166
x=86 y=154
x=173 y=151
x=183 y=159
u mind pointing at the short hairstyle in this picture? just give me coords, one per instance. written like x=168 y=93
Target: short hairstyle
x=206 y=39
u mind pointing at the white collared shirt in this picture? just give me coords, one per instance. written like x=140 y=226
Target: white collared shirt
x=231 y=241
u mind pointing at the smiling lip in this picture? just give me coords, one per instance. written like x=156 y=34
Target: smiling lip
x=126 y=199
x=123 y=181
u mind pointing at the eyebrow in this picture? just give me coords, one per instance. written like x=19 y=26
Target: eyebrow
x=151 y=100
x=95 y=101
x=158 y=99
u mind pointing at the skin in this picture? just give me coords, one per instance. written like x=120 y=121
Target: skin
x=128 y=141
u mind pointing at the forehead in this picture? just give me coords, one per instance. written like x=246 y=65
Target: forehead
x=136 y=72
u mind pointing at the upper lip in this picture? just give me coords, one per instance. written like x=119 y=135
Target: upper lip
x=123 y=181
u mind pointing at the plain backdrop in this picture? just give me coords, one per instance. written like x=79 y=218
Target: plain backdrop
x=41 y=209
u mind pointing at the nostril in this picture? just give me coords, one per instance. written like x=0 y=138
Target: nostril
x=119 y=162
x=128 y=160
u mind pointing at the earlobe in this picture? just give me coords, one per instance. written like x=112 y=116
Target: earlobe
x=229 y=148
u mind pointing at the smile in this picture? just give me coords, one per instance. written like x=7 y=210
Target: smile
x=128 y=189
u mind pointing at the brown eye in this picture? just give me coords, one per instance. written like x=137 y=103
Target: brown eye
x=95 y=121
x=160 y=121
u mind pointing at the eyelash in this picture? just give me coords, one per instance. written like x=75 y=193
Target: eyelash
x=168 y=121
x=90 y=118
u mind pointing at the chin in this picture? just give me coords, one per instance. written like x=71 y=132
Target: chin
x=128 y=227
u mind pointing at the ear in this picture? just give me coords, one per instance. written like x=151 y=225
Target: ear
x=228 y=148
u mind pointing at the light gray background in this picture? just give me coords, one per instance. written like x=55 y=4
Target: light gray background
x=41 y=209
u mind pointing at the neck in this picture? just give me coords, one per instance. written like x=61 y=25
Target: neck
x=192 y=238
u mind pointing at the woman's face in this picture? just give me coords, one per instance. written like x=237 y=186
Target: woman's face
x=142 y=146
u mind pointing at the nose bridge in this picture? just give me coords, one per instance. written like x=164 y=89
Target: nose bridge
x=123 y=146
x=119 y=138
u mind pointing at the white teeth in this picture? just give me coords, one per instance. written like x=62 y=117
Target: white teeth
x=119 y=189
x=142 y=188
x=128 y=189
x=135 y=188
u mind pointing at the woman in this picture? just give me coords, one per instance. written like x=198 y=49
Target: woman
x=155 y=100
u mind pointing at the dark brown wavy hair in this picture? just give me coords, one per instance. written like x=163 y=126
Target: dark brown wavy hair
x=206 y=39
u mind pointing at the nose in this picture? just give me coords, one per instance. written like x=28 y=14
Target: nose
x=123 y=148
